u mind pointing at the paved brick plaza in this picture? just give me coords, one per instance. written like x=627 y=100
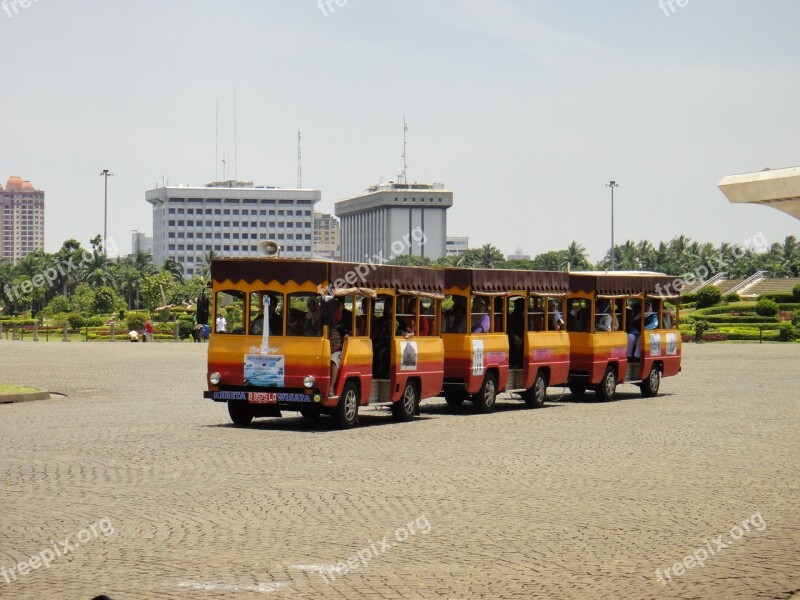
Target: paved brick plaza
x=576 y=500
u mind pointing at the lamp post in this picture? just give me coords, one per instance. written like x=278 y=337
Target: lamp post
x=612 y=184
x=105 y=173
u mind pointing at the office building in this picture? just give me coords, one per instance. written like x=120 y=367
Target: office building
x=141 y=243
x=230 y=218
x=327 y=237
x=393 y=219
x=457 y=245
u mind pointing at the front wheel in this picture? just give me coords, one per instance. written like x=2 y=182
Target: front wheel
x=608 y=387
x=346 y=412
x=241 y=412
x=535 y=397
x=485 y=398
x=650 y=386
x=405 y=408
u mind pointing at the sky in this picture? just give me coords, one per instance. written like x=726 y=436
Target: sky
x=526 y=109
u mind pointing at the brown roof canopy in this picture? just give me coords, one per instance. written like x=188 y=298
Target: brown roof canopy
x=623 y=283
x=503 y=280
x=281 y=270
x=370 y=275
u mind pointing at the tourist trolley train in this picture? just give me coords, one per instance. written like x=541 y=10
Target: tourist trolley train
x=326 y=338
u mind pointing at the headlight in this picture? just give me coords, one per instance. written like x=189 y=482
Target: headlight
x=214 y=378
x=309 y=381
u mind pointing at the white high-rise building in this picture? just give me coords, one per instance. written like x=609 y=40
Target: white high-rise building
x=230 y=218
x=393 y=219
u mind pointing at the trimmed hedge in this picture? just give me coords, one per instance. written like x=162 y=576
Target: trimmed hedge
x=767 y=308
x=740 y=319
x=778 y=297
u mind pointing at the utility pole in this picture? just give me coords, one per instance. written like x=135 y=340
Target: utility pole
x=106 y=174
x=612 y=184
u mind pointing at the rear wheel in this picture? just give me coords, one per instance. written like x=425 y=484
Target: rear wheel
x=346 y=412
x=485 y=398
x=535 y=397
x=241 y=412
x=405 y=408
x=650 y=386
x=577 y=389
x=608 y=387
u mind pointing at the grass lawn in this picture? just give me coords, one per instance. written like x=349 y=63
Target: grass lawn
x=6 y=388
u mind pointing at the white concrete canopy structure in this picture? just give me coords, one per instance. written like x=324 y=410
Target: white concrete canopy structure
x=779 y=188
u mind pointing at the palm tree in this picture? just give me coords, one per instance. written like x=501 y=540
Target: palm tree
x=174 y=268
x=487 y=256
x=576 y=257
x=205 y=266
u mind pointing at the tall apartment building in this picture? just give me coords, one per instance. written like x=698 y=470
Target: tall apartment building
x=229 y=217
x=393 y=219
x=21 y=219
x=327 y=237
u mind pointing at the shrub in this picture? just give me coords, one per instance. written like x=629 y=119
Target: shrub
x=796 y=293
x=75 y=320
x=767 y=308
x=95 y=321
x=686 y=298
x=708 y=296
x=715 y=337
x=787 y=333
x=136 y=320
x=732 y=297
x=796 y=318
x=699 y=328
x=184 y=328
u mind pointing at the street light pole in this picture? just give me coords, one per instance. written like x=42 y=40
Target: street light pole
x=105 y=173
x=612 y=184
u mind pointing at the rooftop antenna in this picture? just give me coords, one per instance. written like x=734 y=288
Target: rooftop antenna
x=299 y=164
x=224 y=162
x=405 y=165
x=235 y=154
x=216 y=143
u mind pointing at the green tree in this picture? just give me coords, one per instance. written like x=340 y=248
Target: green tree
x=105 y=300
x=157 y=289
x=410 y=260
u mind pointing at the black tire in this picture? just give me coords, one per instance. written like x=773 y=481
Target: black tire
x=485 y=399
x=608 y=386
x=577 y=389
x=405 y=408
x=346 y=412
x=241 y=412
x=649 y=386
x=454 y=399
x=535 y=397
x=312 y=411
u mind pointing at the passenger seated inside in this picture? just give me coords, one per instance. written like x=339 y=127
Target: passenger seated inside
x=296 y=322
x=481 y=323
x=313 y=322
x=455 y=317
x=634 y=332
x=602 y=317
x=426 y=318
x=650 y=316
x=583 y=320
x=275 y=320
x=554 y=318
